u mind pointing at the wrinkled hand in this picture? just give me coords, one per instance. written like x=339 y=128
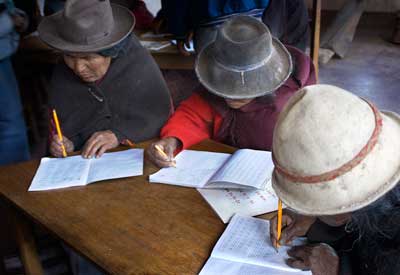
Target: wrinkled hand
x=168 y=145
x=321 y=259
x=56 y=148
x=98 y=143
x=180 y=44
x=293 y=226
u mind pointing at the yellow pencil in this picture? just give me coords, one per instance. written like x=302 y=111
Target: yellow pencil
x=158 y=148
x=60 y=136
x=279 y=224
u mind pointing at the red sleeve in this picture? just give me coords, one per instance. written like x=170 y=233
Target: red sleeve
x=191 y=123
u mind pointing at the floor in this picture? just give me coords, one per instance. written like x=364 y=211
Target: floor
x=371 y=69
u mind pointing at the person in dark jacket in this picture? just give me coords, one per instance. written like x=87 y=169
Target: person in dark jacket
x=337 y=170
x=287 y=19
x=108 y=91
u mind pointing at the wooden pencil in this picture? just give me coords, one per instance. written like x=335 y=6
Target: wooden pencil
x=279 y=224
x=60 y=136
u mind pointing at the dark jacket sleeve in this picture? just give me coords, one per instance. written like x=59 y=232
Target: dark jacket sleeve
x=338 y=239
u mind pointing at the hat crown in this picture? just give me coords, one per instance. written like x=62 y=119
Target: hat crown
x=305 y=148
x=86 y=22
x=334 y=152
x=242 y=43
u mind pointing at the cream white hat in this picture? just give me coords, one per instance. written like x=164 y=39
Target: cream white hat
x=334 y=152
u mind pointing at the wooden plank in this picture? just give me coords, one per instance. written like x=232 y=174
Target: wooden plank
x=316 y=32
x=126 y=226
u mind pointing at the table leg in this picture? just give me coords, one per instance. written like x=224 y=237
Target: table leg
x=26 y=245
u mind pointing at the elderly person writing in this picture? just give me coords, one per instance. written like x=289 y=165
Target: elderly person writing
x=337 y=168
x=248 y=76
x=108 y=90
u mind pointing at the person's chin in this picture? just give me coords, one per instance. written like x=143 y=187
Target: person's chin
x=234 y=106
x=88 y=78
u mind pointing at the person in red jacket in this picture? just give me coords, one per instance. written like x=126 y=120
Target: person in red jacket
x=248 y=76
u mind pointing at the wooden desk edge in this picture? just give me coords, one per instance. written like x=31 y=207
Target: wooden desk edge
x=206 y=145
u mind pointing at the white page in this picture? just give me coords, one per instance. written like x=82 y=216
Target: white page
x=228 y=202
x=56 y=173
x=115 y=165
x=193 y=168
x=155 y=45
x=246 y=240
x=248 y=167
x=215 y=266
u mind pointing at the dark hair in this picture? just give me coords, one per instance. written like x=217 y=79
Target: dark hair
x=378 y=226
x=118 y=50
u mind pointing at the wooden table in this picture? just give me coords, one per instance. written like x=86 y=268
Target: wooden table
x=126 y=226
x=168 y=58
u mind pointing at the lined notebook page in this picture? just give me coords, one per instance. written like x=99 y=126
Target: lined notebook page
x=115 y=165
x=56 y=173
x=215 y=266
x=246 y=167
x=228 y=202
x=247 y=240
x=193 y=168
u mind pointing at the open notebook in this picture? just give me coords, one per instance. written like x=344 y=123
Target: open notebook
x=228 y=202
x=244 y=169
x=54 y=173
x=245 y=248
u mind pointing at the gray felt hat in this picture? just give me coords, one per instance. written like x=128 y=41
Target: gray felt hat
x=87 y=26
x=244 y=61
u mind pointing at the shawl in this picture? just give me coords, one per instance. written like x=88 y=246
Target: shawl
x=132 y=99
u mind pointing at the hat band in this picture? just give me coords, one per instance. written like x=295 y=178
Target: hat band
x=331 y=175
x=96 y=38
x=240 y=69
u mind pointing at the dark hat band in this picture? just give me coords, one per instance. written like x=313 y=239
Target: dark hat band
x=96 y=38
x=240 y=69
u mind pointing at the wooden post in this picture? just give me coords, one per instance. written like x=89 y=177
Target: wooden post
x=316 y=20
x=26 y=245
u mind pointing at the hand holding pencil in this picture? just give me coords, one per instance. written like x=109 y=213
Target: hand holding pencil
x=161 y=152
x=293 y=225
x=60 y=145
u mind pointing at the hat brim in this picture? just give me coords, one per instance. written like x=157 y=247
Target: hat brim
x=376 y=175
x=233 y=84
x=124 y=22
